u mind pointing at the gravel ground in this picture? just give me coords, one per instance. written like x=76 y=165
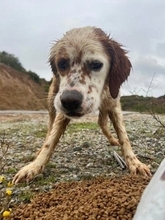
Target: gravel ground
x=82 y=154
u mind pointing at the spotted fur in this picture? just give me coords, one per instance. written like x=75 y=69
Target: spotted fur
x=88 y=70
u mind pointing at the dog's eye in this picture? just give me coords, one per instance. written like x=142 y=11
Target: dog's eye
x=95 y=65
x=63 y=64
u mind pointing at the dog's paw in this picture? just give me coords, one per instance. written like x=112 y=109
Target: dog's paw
x=136 y=167
x=114 y=142
x=27 y=173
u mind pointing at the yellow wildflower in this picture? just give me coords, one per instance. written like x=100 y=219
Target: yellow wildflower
x=2 y=178
x=6 y=214
x=9 y=184
x=8 y=192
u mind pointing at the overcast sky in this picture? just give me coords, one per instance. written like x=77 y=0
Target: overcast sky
x=29 y=27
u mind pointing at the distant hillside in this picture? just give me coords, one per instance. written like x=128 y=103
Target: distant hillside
x=24 y=90
x=18 y=90
x=143 y=104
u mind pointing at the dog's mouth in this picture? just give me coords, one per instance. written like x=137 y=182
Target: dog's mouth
x=73 y=114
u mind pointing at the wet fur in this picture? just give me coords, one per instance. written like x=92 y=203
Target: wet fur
x=100 y=90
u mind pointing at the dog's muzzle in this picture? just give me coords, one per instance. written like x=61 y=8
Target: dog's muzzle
x=71 y=101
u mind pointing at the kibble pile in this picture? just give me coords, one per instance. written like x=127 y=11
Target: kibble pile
x=104 y=199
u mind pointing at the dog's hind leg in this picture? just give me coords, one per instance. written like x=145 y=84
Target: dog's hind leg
x=103 y=123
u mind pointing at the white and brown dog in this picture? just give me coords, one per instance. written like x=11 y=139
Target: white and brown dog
x=89 y=68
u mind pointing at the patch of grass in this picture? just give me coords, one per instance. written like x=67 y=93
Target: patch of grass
x=50 y=179
x=87 y=176
x=43 y=180
x=28 y=158
x=41 y=133
x=11 y=170
x=77 y=127
x=26 y=196
x=51 y=165
x=10 y=131
x=159 y=133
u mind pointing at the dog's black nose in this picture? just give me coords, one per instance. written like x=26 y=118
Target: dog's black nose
x=71 y=100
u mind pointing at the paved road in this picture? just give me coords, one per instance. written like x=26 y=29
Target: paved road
x=11 y=112
x=25 y=112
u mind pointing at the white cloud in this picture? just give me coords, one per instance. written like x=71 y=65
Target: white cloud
x=29 y=27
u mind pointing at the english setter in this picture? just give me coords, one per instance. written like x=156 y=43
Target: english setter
x=88 y=70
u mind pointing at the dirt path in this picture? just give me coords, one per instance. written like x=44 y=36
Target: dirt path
x=70 y=187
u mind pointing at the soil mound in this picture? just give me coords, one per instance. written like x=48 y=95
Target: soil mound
x=100 y=198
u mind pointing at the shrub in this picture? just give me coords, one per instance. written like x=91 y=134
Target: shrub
x=11 y=60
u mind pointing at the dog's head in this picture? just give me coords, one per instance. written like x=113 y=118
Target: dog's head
x=85 y=60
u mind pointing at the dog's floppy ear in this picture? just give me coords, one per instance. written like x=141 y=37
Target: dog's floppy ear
x=52 y=59
x=53 y=65
x=120 y=67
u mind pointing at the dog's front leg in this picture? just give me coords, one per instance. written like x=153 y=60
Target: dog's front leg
x=37 y=166
x=134 y=165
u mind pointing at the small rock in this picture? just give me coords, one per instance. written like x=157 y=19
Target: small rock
x=89 y=165
x=77 y=149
